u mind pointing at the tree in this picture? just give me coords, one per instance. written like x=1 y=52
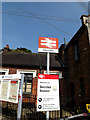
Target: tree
x=23 y=50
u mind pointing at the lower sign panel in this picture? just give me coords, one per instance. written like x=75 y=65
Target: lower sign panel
x=49 y=103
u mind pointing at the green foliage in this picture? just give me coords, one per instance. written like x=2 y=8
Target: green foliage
x=22 y=50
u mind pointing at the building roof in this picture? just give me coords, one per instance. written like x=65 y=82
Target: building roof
x=18 y=59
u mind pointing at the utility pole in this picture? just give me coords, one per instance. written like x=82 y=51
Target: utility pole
x=88 y=27
x=66 y=71
x=89 y=8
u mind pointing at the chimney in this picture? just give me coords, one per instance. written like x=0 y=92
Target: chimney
x=6 y=48
x=85 y=19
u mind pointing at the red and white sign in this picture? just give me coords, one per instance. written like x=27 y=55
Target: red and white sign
x=48 y=92
x=47 y=44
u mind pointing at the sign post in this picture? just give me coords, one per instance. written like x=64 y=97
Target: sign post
x=20 y=99
x=47 y=113
x=48 y=45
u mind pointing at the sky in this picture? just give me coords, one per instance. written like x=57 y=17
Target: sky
x=24 y=22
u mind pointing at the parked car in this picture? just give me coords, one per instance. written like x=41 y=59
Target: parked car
x=83 y=116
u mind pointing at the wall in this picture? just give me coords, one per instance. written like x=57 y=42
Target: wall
x=79 y=69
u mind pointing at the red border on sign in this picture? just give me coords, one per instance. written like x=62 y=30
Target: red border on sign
x=47 y=76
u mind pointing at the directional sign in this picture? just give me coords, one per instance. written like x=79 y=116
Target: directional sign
x=48 y=45
x=48 y=93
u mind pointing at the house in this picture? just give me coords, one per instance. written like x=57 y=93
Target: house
x=29 y=64
x=76 y=58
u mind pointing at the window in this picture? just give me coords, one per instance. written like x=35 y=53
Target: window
x=76 y=51
x=27 y=85
x=82 y=86
x=72 y=89
x=28 y=78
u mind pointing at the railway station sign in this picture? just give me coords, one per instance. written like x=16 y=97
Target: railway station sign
x=48 y=92
x=47 y=44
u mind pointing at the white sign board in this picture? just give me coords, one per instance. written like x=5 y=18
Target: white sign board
x=48 y=93
x=9 y=88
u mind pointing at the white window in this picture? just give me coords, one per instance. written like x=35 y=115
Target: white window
x=28 y=78
x=4 y=71
x=54 y=73
x=27 y=71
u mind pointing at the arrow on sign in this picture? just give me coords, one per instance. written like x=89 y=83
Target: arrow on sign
x=49 y=43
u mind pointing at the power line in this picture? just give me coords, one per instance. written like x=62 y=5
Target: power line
x=57 y=19
x=41 y=20
x=61 y=18
x=45 y=22
x=83 y=5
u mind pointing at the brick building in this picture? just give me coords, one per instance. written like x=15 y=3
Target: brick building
x=76 y=58
x=29 y=64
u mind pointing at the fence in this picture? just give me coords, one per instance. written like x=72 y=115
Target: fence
x=29 y=110
x=9 y=110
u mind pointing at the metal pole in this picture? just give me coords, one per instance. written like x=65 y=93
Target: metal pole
x=89 y=8
x=89 y=29
x=60 y=97
x=48 y=63
x=20 y=99
x=47 y=113
x=66 y=71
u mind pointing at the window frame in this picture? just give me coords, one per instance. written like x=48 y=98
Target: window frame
x=33 y=72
